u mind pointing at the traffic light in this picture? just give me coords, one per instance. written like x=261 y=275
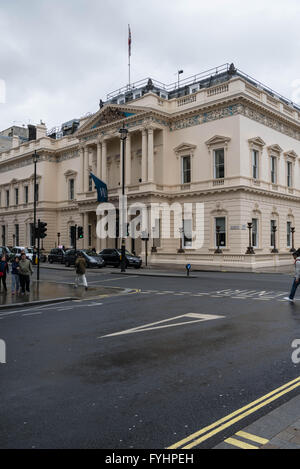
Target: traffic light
x=42 y=229
x=80 y=232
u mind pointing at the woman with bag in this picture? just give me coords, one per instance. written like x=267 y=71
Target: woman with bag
x=3 y=271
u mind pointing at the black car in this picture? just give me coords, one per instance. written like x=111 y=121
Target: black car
x=113 y=257
x=92 y=258
x=56 y=255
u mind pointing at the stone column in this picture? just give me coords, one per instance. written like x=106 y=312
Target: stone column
x=144 y=155
x=99 y=169
x=85 y=230
x=104 y=161
x=86 y=169
x=150 y=155
x=128 y=161
x=98 y=240
x=81 y=153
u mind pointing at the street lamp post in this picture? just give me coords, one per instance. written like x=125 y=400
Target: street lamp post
x=179 y=73
x=181 y=250
x=153 y=249
x=293 y=239
x=35 y=158
x=274 y=250
x=123 y=135
x=250 y=249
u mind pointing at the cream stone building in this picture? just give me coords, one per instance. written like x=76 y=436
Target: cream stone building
x=219 y=138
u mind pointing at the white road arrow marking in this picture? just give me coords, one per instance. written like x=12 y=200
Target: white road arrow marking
x=158 y=324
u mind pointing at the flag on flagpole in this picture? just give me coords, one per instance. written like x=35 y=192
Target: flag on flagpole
x=129 y=41
x=101 y=189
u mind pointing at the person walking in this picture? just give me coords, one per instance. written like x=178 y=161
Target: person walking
x=4 y=269
x=25 y=270
x=296 y=256
x=80 y=266
x=15 y=277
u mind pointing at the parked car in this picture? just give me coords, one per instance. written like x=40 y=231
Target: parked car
x=92 y=258
x=5 y=250
x=17 y=250
x=57 y=255
x=113 y=257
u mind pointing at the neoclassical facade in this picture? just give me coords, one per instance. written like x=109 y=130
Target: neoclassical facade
x=227 y=143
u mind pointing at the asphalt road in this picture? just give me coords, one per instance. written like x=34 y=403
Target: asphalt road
x=148 y=369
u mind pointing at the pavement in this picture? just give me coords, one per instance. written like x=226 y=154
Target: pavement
x=279 y=429
x=173 y=271
x=43 y=292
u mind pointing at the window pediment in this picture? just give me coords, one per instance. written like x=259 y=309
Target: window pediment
x=256 y=141
x=218 y=140
x=275 y=149
x=70 y=173
x=185 y=148
x=291 y=154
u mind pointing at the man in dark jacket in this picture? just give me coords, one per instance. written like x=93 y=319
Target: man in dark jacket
x=4 y=269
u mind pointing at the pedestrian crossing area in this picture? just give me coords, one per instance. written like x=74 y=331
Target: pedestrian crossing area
x=257 y=295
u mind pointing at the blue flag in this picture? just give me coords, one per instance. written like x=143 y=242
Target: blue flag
x=101 y=189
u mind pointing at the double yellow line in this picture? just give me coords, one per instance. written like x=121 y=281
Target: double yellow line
x=205 y=433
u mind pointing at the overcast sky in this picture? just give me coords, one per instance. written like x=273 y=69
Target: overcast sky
x=59 y=57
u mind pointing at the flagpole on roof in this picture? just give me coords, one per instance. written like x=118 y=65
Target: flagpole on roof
x=129 y=54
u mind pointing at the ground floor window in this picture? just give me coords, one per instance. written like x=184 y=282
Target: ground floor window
x=288 y=234
x=3 y=236
x=220 y=231
x=255 y=232
x=90 y=235
x=17 y=238
x=187 y=233
x=272 y=226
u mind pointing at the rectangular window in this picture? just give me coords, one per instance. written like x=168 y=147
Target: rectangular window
x=31 y=235
x=255 y=164
x=3 y=236
x=288 y=234
x=186 y=169
x=90 y=234
x=71 y=189
x=221 y=223
x=255 y=232
x=187 y=233
x=16 y=196
x=219 y=168
x=17 y=235
x=273 y=170
x=26 y=194
x=7 y=198
x=90 y=183
x=289 y=174
x=273 y=224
